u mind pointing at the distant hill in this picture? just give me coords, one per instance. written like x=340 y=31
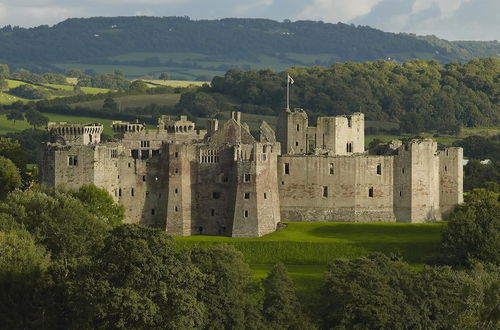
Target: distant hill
x=189 y=49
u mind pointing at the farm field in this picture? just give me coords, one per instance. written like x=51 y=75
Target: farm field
x=307 y=248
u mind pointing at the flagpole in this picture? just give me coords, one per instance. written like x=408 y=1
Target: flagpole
x=287 y=93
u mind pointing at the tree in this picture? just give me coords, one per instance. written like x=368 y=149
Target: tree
x=228 y=291
x=368 y=293
x=164 y=76
x=28 y=92
x=25 y=286
x=473 y=231
x=10 y=178
x=35 y=118
x=12 y=150
x=138 y=86
x=102 y=205
x=139 y=280
x=15 y=115
x=110 y=104
x=59 y=222
x=281 y=308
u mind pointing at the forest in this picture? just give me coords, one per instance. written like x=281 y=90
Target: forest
x=420 y=95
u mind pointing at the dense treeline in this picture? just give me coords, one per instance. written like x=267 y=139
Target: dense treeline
x=92 y=40
x=420 y=95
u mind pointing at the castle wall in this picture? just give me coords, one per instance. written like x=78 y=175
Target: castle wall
x=450 y=179
x=335 y=188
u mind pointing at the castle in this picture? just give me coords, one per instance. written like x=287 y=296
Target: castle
x=227 y=181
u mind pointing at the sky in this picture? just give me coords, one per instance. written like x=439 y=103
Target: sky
x=448 y=19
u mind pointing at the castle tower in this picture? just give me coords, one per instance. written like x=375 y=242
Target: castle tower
x=292 y=131
x=341 y=135
x=451 y=179
x=416 y=182
x=256 y=208
x=179 y=203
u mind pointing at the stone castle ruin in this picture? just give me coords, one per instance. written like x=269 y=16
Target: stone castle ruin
x=226 y=181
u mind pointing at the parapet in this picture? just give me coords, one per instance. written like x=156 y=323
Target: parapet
x=123 y=127
x=183 y=125
x=75 y=133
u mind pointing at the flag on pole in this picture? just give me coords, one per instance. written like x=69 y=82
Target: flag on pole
x=290 y=80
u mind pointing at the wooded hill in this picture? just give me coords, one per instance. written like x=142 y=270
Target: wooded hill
x=420 y=95
x=204 y=48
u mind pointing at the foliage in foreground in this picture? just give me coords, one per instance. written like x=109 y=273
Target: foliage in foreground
x=379 y=293
x=64 y=263
x=473 y=232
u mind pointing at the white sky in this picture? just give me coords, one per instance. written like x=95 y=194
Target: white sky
x=449 y=19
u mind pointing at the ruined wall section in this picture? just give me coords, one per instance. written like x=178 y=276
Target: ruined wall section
x=335 y=188
x=292 y=131
x=451 y=176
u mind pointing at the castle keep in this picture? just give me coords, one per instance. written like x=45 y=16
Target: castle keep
x=227 y=181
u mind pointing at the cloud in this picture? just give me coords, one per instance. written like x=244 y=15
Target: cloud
x=336 y=10
x=248 y=7
x=448 y=19
x=446 y=7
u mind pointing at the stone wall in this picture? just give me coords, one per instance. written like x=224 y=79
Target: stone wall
x=335 y=188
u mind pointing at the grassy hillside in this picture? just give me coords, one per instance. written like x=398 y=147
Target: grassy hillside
x=54 y=89
x=307 y=248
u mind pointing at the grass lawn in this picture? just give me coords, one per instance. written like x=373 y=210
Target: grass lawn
x=307 y=248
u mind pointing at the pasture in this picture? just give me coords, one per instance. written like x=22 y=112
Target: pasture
x=307 y=248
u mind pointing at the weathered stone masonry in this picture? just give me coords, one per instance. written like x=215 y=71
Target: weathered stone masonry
x=224 y=181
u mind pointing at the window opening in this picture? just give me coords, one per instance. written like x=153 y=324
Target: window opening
x=72 y=160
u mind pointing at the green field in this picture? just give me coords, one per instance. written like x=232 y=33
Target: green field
x=307 y=248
